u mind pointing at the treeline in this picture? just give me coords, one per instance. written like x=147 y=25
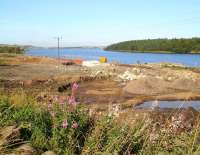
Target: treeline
x=11 y=49
x=159 y=45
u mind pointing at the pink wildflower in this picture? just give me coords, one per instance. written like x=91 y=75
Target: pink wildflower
x=75 y=86
x=75 y=125
x=71 y=100
x=64 y=124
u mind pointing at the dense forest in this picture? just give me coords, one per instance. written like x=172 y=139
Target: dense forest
x=159 y=45
x=11 y=49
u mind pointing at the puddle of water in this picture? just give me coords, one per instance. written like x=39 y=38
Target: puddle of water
x=169 y=105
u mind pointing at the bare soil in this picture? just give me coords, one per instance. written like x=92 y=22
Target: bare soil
x=100 y=85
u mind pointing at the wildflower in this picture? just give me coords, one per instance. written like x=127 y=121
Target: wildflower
x=75 y=125
x=75 y=86
x=72 y=100
x=64 y=124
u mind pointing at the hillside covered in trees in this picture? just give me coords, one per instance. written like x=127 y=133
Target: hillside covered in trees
x=11 y=49
x=159 y=46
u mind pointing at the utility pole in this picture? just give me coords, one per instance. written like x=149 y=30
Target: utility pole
x=58 y=40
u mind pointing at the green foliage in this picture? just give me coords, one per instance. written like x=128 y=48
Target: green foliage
x=35 y=123
x=12 y=49
x=68 y=140
x=169 y=143
x=159 y=45
x=45 y=132
x=106 y=135
x=109 y=137
x=3 y=62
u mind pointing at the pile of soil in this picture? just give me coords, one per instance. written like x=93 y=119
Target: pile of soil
x=153 y=86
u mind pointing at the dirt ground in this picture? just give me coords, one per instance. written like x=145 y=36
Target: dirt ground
x=100 y=85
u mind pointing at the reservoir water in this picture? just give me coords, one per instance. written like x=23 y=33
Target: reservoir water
x=119 y=57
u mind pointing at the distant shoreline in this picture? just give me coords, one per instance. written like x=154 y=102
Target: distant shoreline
x=177 y=46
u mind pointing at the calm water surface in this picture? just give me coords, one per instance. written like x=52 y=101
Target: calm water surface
x=169 y=104
x=120 y=57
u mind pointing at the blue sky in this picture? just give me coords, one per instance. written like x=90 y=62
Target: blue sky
x=96 y=22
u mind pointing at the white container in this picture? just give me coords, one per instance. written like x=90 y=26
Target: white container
x=91 y=63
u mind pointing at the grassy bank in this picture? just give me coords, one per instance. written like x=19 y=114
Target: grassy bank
x=68 y=129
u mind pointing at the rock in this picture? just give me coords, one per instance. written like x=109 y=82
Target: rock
x=129 y=76
x=24 y=149
x=136 y=70
x=48 y=153
x=9 y=135
x=169 y=78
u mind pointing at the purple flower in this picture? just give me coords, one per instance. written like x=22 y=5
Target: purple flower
x=64 y=124
x=75 y=125
x=72 y=100
x=75 y=86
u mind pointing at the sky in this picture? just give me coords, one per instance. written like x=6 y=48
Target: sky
x=96 y=22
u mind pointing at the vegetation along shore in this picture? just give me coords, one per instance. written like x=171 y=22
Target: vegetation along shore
x=159 y=46
x=12 y=49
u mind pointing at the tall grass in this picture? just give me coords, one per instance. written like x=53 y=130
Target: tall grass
x=68 y=129
x=44 y=131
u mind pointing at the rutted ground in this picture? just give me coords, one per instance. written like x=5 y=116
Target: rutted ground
x=102 y=84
